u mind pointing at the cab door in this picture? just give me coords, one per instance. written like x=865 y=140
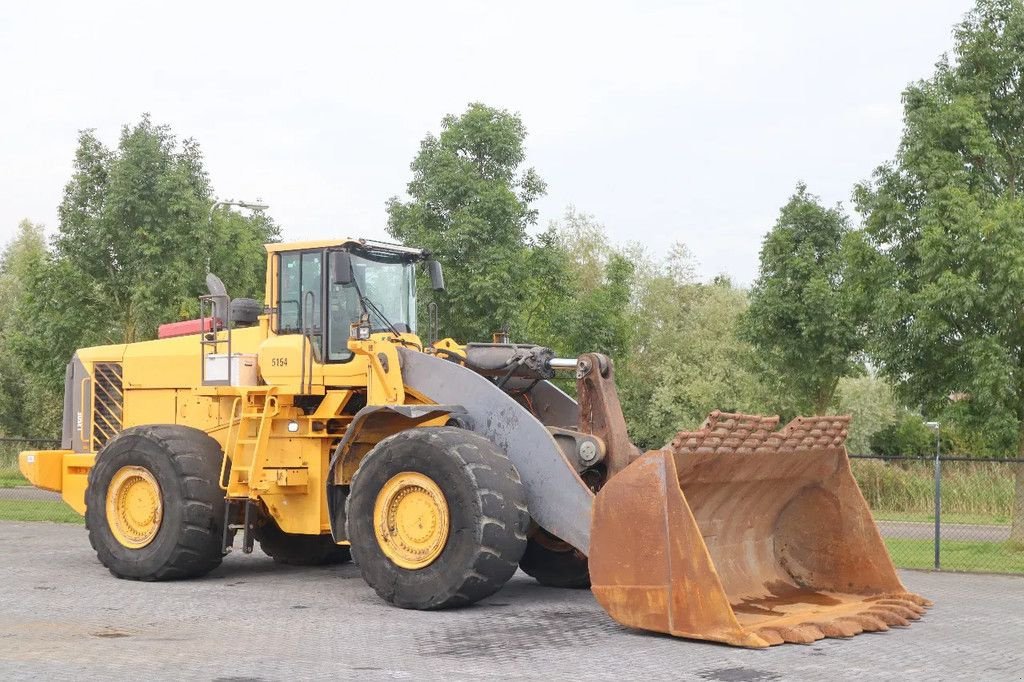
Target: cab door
x=293 y=354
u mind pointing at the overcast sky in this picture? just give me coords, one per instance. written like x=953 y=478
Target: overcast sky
x=685 y=121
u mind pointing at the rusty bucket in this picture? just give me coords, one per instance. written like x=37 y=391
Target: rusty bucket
x=742 y=534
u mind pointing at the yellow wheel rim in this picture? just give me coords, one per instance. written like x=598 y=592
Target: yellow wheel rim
x=134 y=506
x=410 y=520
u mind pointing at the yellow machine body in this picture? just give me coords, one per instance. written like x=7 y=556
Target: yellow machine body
x=161 y=383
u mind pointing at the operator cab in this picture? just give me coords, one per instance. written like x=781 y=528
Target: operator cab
x=313 y=299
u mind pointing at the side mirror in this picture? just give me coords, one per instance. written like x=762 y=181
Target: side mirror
x=436 y=275
x=341 y=268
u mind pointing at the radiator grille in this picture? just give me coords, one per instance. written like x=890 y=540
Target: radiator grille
x=108 y=403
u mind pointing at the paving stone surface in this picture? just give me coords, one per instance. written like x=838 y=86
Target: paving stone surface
x=64 y=617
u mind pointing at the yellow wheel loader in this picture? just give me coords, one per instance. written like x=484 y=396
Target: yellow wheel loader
x=320 y=425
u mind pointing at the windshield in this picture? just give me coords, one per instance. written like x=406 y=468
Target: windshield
x=389 y=283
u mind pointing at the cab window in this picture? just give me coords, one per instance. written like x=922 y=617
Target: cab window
x=301 y=287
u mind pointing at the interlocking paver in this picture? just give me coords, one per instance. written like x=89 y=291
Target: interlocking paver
x=62 y=616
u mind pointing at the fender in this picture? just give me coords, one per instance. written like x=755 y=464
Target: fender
x=558 y=499
x=382 y=418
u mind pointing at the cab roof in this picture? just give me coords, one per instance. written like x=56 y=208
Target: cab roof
x=371 y=244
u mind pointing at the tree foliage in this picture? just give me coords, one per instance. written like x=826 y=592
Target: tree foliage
x=907 y=436
x=687 y=359
x=471 y=203
x=872 y=407
x=28 y=405
x=806 y=313
x=592 y=310
x=132 y=249
x=947 y=221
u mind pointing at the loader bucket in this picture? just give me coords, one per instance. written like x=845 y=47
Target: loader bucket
x=742 y=534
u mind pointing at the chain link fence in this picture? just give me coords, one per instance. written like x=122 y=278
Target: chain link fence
x=968 y=530
x=18 y=500
x=946 y=513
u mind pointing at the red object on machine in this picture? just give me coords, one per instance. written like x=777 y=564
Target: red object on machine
x=187 y=327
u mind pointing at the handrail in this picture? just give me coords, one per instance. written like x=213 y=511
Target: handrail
x=270 y=410
x=228 y=447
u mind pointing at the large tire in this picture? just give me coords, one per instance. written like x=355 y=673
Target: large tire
x=553 y=562
x=486 y=506
x=185 y=464
x=299 y=550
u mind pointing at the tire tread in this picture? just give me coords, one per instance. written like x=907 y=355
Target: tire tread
x=498 y=489
x=197 y=550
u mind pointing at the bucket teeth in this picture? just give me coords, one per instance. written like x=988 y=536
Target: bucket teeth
x=771 y=636
x=869 y=622
x=837 y=628
x=914 y=599
x=907 y=609
x=847 y=627
x=798 y=634
x=879 y=616
x=889 y=616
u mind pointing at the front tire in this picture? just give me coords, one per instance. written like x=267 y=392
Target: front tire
x=154 y=510
x=437 y=518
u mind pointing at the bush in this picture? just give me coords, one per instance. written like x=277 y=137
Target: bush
x=907 y=437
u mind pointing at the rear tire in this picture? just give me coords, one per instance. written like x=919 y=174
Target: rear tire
x=486 y=517
x=554 y=563
x=299 y=550
x=179 y=466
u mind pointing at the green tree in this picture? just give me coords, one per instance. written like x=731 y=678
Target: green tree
x=947 y=221
x=471 y=202
x=28 y=406
x=806 y=314
x=687 y=358
x=236 y=251
x=870 y=402
x=132 y=248
x=592 y=309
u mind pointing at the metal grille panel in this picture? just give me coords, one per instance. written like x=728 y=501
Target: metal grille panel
x=108 y=403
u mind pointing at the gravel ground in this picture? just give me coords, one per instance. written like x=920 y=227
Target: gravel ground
x=62 y=616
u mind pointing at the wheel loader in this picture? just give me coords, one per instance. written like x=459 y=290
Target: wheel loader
x=321 y=425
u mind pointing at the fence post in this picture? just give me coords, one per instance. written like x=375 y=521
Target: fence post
x=938 y=510
x=938 y=493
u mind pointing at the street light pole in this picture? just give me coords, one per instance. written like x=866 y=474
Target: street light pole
x=240 y=204
x=938 y=492
x=230 y=202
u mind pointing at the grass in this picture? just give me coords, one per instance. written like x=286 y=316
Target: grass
x=994 y=557
x=10 y=478
x=37 y=510
x=979 y=491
